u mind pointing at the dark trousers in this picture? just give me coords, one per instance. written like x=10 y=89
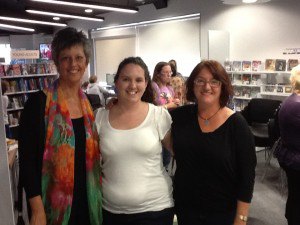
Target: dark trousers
x=164 y=217
x=292 y=211
x=193 y=217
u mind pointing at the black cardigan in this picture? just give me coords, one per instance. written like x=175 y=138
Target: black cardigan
x=31 y=144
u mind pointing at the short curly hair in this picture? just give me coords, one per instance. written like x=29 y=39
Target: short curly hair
x=69 y=37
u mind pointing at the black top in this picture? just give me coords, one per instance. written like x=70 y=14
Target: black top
x=214 y=169
x=31 y=150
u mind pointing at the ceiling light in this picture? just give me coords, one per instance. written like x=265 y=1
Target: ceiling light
x=190 y=16
x=83 y=5
x=249 y=1
x=64 y=15
x=88 y=10
x=32 y=21
x=56 y=18
x=16 y=27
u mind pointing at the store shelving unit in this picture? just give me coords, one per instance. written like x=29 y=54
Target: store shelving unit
x=258 y=84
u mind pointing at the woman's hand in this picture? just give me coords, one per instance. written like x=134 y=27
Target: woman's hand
x=176 y=101
x=111 y=103
x=38 y=216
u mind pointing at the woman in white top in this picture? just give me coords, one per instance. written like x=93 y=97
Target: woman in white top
x=136 y=188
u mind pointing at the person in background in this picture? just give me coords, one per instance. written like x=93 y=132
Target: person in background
x=214 y=152
x=173 y=65
x=96 y=89
x=178 y=83
x=136 y=188
x=163 y=91
x=164 y=95
x=84 y=86
x=5 y=102
x=58 y=142
x=289 y=153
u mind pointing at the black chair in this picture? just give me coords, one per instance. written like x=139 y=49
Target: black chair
x=258 y=113
x=94 y=100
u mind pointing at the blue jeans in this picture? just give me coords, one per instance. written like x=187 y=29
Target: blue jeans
x=163 y=217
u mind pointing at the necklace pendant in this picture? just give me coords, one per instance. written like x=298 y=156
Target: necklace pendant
x=206 y=122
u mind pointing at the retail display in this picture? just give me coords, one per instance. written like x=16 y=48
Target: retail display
x=263 y=80
x=23 y=79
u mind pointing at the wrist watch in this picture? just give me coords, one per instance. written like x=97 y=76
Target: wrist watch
x=243 y=218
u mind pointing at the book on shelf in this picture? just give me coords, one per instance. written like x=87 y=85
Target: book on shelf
x=270 y=65
x=237 y=79
x=13 y=86
x=255 y=80
x=236 y=66
x=14 y=118
x=2 y=71
x=246 y=65
x=33 y=68
x=51 y=68
x=16 y=102
x=24 y=68
x=246 y=79
x=239 y=104
x=16 y=69
x=256 y=65
x=41 y=68
x=228 y=65
x=280 y=64
x=292 y=63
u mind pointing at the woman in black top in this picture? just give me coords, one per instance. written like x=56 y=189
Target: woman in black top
x=214 y=151
x=58 y=143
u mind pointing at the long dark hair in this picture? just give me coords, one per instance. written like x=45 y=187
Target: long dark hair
x=148 y=94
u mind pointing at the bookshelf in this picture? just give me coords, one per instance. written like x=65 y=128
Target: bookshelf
x=258 y=84
x=21 y=83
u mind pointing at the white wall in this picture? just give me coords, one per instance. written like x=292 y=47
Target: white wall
x=256 y=31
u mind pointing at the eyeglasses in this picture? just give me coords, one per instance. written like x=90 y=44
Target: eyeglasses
x=166 y=73
x=213 y=83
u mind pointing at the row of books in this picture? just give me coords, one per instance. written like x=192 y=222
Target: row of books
x=13 y=118
x=246 y=79
x=257 y=65
x=28 y=69
x=24 y=85
x=239 y=104
x=246 y=92
x=17 y=102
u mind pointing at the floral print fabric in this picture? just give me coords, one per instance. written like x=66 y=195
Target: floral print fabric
x=58 y=160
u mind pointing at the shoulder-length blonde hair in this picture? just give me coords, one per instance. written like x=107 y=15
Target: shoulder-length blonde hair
x=295 y=78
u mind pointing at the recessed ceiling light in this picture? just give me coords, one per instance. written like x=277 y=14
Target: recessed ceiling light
x=249 y=1
x=56 y=18
x=88 y=10
x=64 y=15
x=90 y=6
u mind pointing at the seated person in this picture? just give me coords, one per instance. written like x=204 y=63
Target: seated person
x=96 y=89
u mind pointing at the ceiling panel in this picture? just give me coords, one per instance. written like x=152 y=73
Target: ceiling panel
x=16 y=9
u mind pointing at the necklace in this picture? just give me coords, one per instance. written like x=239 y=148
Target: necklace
x=206 y=120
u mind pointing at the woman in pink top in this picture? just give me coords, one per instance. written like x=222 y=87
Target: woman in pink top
x=164 y=93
